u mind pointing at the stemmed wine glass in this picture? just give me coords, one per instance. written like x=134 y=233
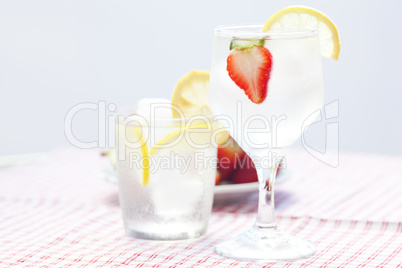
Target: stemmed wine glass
x=265 y=88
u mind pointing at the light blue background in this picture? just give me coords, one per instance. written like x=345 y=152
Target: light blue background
x=56 y=54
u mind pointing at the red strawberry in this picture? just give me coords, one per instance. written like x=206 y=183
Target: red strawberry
x=228 y=154
x=250 y=68
x=217 y=177
x=245 y=171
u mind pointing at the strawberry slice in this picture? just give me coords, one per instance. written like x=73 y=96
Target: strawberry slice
x=250 y=67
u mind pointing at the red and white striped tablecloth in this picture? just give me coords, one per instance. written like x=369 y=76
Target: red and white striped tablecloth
x=60 y=213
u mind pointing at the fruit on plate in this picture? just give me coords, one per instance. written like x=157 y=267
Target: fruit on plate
x=217 y=177
x=235 y=166
x=245 y=172
x=229 y=155
x=249 y=66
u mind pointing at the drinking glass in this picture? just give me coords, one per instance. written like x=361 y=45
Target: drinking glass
x=166 y=175
x=266 y=130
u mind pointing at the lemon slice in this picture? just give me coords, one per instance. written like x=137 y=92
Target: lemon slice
x=191 y=98
x=191 y=94
x=173 y=136
x=299 y=18
x=145 y=156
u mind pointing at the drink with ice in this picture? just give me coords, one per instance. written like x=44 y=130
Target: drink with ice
x=165 y=173
x=294 y=91
x=266 y=88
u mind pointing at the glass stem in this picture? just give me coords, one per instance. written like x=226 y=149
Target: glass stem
x=266 y=206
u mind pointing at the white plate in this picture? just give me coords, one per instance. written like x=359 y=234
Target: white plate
x=224 y=193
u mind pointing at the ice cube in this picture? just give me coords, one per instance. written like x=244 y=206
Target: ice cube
x=177 y=194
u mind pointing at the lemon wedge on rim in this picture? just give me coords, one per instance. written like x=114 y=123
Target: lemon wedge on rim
x=191 y=95
x=191 y=98
x=299 y=18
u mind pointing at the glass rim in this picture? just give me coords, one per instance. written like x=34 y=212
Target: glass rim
x=161 y=122
x=253 y=30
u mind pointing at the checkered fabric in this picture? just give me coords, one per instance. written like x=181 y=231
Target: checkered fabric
x=61 y=213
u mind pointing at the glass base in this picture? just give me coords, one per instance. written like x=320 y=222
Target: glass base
x=265 y=244
x=165 y=236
